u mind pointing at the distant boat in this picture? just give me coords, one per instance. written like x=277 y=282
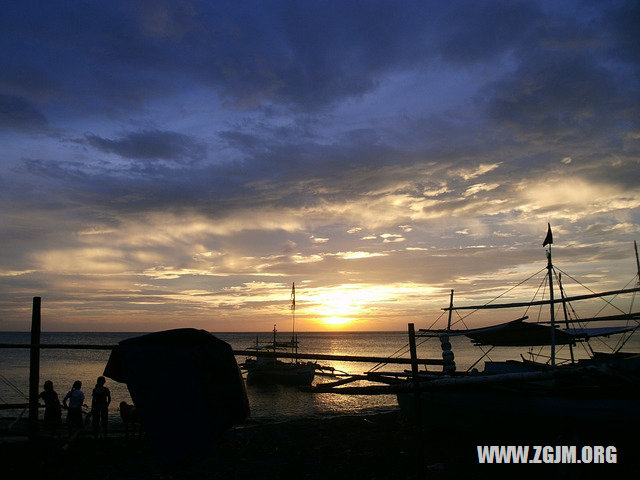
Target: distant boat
x=271 y=370
x=602 y=390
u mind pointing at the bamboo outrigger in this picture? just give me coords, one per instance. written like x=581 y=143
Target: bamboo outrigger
x=600 y=389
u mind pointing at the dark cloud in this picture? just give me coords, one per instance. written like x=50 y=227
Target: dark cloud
x=562 y=97
x=573 y=85
x=304 y=55
x=623 y=25
x=477 y=31
x=28 y=82
x=151 y=145
x=243 y=127
x=16 y=113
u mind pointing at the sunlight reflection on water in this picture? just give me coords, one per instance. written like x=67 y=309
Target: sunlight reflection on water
x=267 y=402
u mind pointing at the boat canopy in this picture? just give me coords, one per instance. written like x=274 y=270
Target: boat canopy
x=186 y=385
x=587 y=333
x=518 y=333
x=277 y=346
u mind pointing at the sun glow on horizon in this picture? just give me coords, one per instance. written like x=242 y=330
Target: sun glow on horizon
x=336 y=321
x=343 y=306
x=337 y=307
x=340 y=306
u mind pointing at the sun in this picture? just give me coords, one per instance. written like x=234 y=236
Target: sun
x=336 y=321
x=337 y=307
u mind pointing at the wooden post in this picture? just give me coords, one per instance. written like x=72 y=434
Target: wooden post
x=34 y=369
x=414 y=371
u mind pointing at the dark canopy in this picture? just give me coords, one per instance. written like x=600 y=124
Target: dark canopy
x=518 y=333
x=186 y=385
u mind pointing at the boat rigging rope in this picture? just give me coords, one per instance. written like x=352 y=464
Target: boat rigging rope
x=603 y=299
x=623 y=340
x=576 y=317
x=13 y=386
x=502 y=294
x=484 y=353
x=405 y=348
x=542 y=283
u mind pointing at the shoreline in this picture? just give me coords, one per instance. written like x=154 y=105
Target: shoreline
x=380 y=446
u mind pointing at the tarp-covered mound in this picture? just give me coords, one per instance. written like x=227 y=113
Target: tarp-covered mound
x=186 y=385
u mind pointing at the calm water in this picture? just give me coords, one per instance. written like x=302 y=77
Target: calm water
x=267 y=403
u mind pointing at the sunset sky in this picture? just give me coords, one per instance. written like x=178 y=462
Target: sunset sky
x=177 y=163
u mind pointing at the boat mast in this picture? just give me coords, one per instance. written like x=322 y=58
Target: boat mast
x=549 y=241
x=635 y=246
x=274 y=338
x=564 y=309
x=450 y=310
x=447 y=354
x=293 y=319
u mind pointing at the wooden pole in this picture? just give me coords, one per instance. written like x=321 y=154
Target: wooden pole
x=551 y=309
x=414 y=371
x=566 y=316
x=34 y=368
x=450 y=310
x=635 y=247
x=545 y=302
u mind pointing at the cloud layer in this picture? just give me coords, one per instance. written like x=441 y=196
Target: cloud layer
x=183 y=163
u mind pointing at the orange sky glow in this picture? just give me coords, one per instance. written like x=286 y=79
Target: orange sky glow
x=185 y=172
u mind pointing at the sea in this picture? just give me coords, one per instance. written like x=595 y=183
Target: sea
x=268 y=403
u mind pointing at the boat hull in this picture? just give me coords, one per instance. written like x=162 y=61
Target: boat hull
x=532 y=405
x=281 y=373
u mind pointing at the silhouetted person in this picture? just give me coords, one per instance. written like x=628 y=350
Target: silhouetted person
x=130 y=418
x=74 y=408
x=101 y=398
x=52 y=409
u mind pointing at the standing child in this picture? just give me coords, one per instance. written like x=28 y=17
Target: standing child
x=74 y=412
x=101 y=398
x=52 y=409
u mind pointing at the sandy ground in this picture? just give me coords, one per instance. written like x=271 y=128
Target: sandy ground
x=381 y=446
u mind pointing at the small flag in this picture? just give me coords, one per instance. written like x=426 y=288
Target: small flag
x=548 y=240
x=293 y=296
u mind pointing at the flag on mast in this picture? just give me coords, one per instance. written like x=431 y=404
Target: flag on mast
x=548 y=240
x=293 y=296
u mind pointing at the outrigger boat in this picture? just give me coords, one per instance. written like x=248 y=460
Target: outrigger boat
x=594 y=388
x=602 y=389
x=271 y=370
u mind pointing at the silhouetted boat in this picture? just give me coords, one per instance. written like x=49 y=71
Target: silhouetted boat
x=271 y=370
x=602 y=390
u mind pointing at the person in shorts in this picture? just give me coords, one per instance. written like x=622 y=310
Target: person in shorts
x=52 y=409
x=73 y=402
x=101 y=398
